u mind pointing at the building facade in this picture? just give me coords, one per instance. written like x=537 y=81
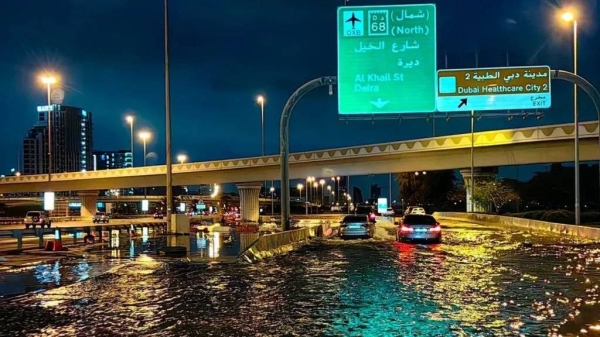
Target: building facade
x=109 y=160
x=70 y=137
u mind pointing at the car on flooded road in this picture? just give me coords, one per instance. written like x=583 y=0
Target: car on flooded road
x=419 y=227
x=358 y=226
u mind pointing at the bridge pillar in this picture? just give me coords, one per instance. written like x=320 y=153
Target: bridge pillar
x=249 y=205
x=88 y=199
x=478 y=174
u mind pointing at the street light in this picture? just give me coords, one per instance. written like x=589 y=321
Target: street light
x=144 y=136
x=338 y=186
x=309 y=180
x=322 y=183
x=130 y=120
x=569 y=16
x=300 y=187
x=182 y=158
x=48 y=81
x=261 y=101
x=272 y=190
x=348 y=198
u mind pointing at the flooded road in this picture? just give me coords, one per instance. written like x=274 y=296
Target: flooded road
x=478 y=282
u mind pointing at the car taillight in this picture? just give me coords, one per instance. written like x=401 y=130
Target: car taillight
x=406 y=229
x=437 y=227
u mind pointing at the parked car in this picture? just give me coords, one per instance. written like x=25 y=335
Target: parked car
x=357 y=226
x=100 y=217
x=419 y=227
x=37 y=218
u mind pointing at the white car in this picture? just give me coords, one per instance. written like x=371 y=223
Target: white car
x=37 y=218
x=415 y=210
x=388 y=212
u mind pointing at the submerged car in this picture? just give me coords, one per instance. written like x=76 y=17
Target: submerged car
x=419 y=227
x=357 y=226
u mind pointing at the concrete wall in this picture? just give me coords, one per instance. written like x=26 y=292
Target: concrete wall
x=520 y=223
x=272 y=244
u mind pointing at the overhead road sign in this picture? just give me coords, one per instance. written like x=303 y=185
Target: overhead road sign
x=485 y=89
x=387 y=59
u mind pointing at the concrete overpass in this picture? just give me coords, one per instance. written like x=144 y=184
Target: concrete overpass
x=534 y=145
x=131 y=198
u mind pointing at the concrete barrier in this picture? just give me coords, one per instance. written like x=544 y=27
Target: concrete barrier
x=520 y=223
x=272 y=244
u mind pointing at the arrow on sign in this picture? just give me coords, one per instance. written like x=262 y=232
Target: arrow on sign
x=463 y=101
x=379 y=103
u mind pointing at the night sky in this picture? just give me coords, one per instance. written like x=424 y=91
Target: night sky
x=109 y=55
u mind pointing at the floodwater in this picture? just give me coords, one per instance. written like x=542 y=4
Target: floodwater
x=478 y=282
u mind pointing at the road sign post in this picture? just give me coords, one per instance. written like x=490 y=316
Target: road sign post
x=387 y=59
x=484 y=89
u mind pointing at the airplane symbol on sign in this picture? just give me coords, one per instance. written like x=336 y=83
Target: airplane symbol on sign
x=354 y=20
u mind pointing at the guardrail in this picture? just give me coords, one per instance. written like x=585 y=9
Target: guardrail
x=521 y=223
x=11 y=221
x=271 y=244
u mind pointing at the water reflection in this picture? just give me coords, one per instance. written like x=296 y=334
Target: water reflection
x=49 y=275
x=200 y=246
x=476 y=283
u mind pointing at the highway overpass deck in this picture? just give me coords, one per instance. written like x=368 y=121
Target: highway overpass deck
x=533 y=145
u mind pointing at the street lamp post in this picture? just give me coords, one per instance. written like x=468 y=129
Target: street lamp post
x=272 y=190
x=144 y=136
x=570 y=17
x=322 y=183
x=300 y=187
x=49 y=80
x=309 y=180
x=181 y=158
x=130 y=120
x=348 y=199
x=338 y=186
x=261 y=101
x=168 y=162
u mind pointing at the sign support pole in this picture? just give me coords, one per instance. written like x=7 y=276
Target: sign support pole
x=472 y=187
x=589 y=89
x=284 y=139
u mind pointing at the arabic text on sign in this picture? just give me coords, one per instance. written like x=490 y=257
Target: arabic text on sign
x=405 y=46
x=407 y=15
x=364 y=47
x=496 y=75
x=408 y=64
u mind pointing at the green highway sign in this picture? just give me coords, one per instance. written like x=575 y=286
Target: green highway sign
x=387 y=59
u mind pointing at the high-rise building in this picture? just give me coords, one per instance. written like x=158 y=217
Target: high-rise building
x=109 y=160
x=71 y=139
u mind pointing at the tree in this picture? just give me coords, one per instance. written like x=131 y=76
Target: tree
x=458 y=194
x=494 y=192
x=429 y=188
